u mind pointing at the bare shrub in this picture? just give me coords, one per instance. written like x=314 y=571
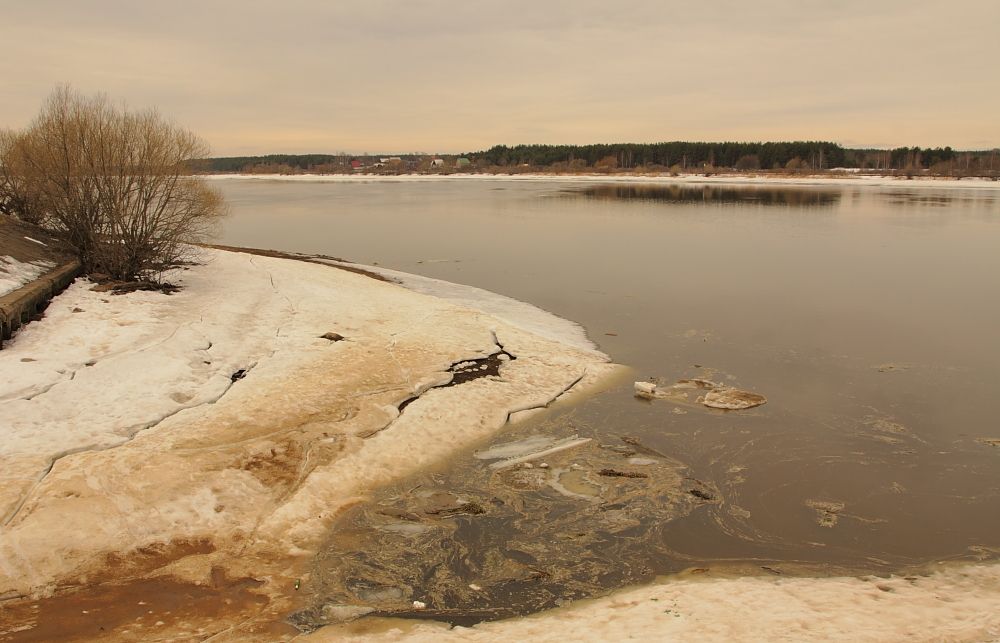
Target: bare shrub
x=115 y=183
x=748 y=162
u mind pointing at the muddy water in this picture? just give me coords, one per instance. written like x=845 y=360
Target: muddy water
x=866 y=316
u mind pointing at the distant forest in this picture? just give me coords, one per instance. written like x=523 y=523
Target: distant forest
x=300 y=162
x=674 y=157
x=817 y=155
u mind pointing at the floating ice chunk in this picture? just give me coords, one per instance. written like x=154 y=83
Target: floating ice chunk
x=561 y=445
x=517 y=448
x=645 y=389
x=338 y=613
x=732 y=399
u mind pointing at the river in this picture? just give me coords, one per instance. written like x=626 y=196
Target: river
x=867 y=316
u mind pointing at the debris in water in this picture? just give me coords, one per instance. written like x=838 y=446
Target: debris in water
x=506 y=562
x=704 y=495
x=885 y=425
x=435 y=503
x=827 y=511
x=473 y=508
x=641 y=448
x=615 y=473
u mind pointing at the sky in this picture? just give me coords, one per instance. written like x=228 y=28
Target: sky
x=379 y=76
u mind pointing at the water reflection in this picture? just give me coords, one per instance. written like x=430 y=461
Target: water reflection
x=715 y=194
x=979 y=200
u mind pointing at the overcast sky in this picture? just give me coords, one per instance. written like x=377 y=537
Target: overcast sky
x=448 y=76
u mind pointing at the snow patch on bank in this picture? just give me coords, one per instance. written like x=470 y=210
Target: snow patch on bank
x=513 y=311
x=224 y=411
x=14 y=273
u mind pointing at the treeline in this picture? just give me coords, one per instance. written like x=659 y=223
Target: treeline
x=239 y=163
x=674 y=157
x=291 y=163
x=682 y=155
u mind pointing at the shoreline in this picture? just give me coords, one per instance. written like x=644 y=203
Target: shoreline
x=955 y=602
x=276 y=405
x=846 y=180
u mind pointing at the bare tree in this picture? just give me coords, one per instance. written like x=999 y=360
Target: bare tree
x=17 y=198
x=748 y=162
x=115 y=183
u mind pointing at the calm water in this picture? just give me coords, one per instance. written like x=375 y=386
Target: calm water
x=867 y=316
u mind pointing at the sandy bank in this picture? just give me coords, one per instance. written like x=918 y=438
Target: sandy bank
x=211 y=437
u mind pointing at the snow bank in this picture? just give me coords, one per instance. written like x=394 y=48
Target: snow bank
x=125 y=419
x=14 y=273
x=954 y=604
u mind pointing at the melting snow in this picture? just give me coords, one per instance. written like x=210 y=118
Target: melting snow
x=14 y=273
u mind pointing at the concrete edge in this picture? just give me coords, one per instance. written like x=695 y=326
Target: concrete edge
x=18 y=307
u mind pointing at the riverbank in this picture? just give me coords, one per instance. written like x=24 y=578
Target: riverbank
x=203 y=443
x=34 y=267
x=846 y=179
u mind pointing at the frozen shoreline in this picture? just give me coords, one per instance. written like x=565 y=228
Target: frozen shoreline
x=217 y=429
x=513 y=311
x=846 y=180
